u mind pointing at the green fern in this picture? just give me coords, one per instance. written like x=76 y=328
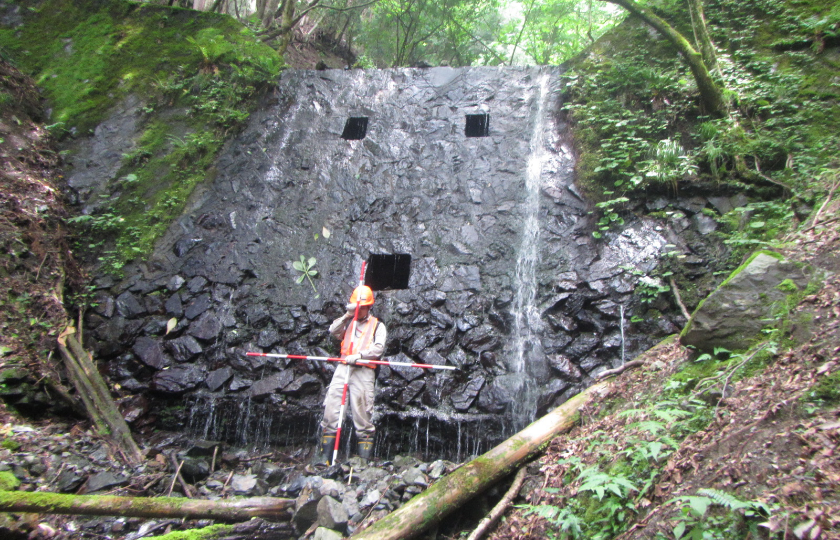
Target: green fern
x=563 y=518
x=602 y=483
x=724 y=499
x=670 y=415
x=648 y=426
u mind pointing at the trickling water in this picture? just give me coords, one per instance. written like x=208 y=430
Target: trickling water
x=621 y=313
x=526 y=366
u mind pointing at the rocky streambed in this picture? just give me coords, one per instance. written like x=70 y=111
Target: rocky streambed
x=330 y=502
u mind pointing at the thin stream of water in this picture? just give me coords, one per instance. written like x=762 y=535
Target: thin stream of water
x=527 y=322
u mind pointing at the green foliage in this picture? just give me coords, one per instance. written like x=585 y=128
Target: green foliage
x=8 y=481
x=639 y=131
x=206 y=89
x=601 y=483
x=697 y=523
x=212 y=531
x=610 y=218
x=428 y=31
x=649 y=288
x=117 y=50
x=564 y=520
x=550 y=32
x=624 y=105
x=304 y=266
x=599 y=500
x=827 y=389
x=668 y=163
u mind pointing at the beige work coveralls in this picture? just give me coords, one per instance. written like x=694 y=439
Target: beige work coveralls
x=360 y=388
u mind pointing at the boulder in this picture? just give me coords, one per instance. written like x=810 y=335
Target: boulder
x=272 y=384
x=128 y=306
x=331 y=514
x=745 y=303
x=463 y=398
x=104 y=480
x=322 y=533
x=151 y=353
x=184 y=348
x=179 y=379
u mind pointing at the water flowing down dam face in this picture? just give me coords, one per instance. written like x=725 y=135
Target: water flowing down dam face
x=467 y=171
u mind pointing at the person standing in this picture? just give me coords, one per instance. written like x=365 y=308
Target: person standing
x=360 y=341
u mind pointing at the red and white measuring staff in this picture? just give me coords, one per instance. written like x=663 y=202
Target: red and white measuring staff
x=360 y=362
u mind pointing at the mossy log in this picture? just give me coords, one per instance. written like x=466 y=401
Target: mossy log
x=146 y=507
x=451 y=492
x=96 y=395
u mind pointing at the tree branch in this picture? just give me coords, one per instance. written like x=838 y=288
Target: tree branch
x=485 y=524
x=452 y=491
x=351 y=8
x=157 y=507
x=494 y=53
x=619 y=370
x=521 y=31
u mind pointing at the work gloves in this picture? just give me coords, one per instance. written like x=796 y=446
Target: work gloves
x=352 y=359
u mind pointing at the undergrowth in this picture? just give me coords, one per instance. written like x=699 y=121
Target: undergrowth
x=640 y=130
x=196 y=76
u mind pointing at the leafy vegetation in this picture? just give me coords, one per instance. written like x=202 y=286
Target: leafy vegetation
x=196 y=76
x=697 y=523
x=609 y=482
x=606 y=496
x=641 y=131
x=305 y=267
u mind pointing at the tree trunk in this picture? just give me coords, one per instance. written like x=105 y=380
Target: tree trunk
x=701 y=34
x=451 y=492
x=146 y=507
x=96 y=395
x=284 y=33
x=711 y=94
x=259 y=10
x=268 y=14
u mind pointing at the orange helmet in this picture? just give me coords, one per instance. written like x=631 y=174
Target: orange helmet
x=362 y=295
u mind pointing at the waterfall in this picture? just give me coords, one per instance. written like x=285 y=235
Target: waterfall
x=527 y=365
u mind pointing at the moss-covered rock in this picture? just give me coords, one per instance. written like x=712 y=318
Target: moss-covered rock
x=745 y=303
x=8 y=481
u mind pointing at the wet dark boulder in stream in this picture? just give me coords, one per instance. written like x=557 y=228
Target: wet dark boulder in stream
x=507 y=283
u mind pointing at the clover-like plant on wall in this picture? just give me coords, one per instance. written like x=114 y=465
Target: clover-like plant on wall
x=304 y=266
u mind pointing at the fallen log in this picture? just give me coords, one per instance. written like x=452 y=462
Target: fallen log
x=96 y=396
x=451 y=492
x=255 y=529
x=146 y=507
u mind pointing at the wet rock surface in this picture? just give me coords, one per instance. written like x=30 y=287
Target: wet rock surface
x=290 y=185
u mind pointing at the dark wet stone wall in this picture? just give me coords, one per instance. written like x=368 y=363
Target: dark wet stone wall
x=290 y=185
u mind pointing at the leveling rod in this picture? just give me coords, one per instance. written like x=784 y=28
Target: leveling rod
x=362 y=362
